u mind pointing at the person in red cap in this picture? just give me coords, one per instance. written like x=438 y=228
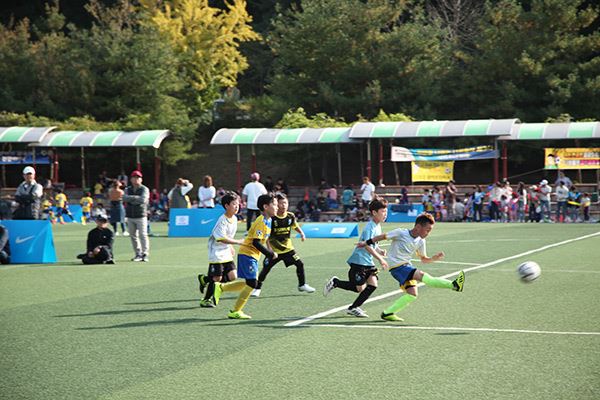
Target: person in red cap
x=137 y=197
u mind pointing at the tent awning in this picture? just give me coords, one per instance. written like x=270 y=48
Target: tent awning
x=104 y=139
x=23 y=134
x=417 y=129
x=282 y=136
x=555 y=131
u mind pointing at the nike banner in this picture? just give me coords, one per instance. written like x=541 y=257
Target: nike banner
x=31 y=241
x=403 y=212
x=330 y=230
x=193 y=222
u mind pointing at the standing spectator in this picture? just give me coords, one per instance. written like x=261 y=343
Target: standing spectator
x=177 y=195
x=4 y=246
x=562 y=195
x=521 y=202
x=436 y=200
x=117 y=211
x=504 y=207
x=478 y=197
x=28 y=196
x=534 y=204
x=137 y=197
x=207 y=193
x=404 y=195
x=282 y=187
x=347 y=200
x=123 y=178
x=573 y=203
x=586 y=202
x=251 y=193
x=164 y=200
x=269 y=185
x=451 y=199
x=154 y=199
x=367 y=191
x=544 y=196
x=564 y=179
x=99 y=244
x=495 y=200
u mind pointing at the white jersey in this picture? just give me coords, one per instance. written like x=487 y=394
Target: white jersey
x=403 y=247
x=219 y=252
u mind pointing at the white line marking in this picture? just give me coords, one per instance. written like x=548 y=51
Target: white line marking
x=486 y=265
x=441 y=328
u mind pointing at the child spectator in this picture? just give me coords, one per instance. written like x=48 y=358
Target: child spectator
x=99 y=244
x=573 y=204
x=586 y=202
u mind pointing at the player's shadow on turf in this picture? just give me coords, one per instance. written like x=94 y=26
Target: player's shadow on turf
x=162 y=302
x=224 y=321
x=117 y=312
x=278 y=296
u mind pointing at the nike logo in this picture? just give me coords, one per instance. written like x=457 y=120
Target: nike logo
x=20 y=240
x=206 y=221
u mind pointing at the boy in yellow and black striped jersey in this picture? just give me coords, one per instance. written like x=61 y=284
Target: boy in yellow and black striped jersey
x=281 y=228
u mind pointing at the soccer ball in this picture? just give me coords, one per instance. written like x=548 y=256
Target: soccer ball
x=529 y=271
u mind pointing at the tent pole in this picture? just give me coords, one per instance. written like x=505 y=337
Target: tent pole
x=156 y=170
x=238 y=167
x=504 y=160
x=82 y=169
x=369 y=159
x=56 y=177
x=395 y=165
x=339 y=161
x=496 y=161
x=380 y=163
x=137 y=159
x=253 y=159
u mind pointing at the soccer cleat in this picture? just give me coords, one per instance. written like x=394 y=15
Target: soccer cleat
x=459 y=282
x=329 y=286
x=357 y=312
x=206 y=303
x=306 y=288
x=255 y=293
x=137 y=258
x=238 y=315
x=125 y=233
x=145 y=258
x=217 y=293
x=201 y=283
x=117 y=234
x=390 y=317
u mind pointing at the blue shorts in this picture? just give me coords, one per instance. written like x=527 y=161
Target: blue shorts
x=403 y=273
x=247 y=267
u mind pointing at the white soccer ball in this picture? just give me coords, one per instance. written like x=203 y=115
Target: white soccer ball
x=529 y=271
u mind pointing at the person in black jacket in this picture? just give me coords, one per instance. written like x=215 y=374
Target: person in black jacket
x=99 y=244
x=4 y=246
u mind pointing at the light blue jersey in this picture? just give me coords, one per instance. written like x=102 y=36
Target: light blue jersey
x=361 y=256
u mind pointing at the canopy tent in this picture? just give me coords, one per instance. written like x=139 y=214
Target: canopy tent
x=82 y=139
x=306 y=136
x=493 y=128
x=21 y=134
x=555 y=131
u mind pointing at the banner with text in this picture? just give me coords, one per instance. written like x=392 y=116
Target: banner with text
x=402 y=154
x=24 y=157
x=432 y=171
x=572 y=158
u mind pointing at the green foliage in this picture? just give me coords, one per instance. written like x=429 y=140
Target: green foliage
x=298 y=119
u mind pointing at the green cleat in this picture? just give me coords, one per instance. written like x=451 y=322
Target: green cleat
x=218 y=292
x=206 y=303
x=201 y=283
x=390 y=317
x=459 y=282
x=238 y=315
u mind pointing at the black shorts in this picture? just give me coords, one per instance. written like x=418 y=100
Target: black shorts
x=289 y=258
x=220 y=269
x=358 y=274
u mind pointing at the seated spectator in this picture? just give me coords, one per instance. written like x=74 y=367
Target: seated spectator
x=459 y=210
x=322 y=203
x=282 y=187
x=4 y=246
x=99 y=244
x=332 y=200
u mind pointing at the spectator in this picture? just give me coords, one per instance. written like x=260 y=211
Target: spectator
x=403 y=195
x=564 y=179
x=99 y=244
x=332 y=200
x=586 y=202
x=137 y=197
x=562 y=196
x=495 y=199
x=478 y=197
x=164 y=200
x=98 y=190
x=123 y=178
x=282 y=187
x=250 y=194
x=573 y=203
x=436 y=199
x=154 y=199
x=347 y=200
x=459 y=210
x=269 y=185
x=544 y=196
x=4 y=246
x=504 y=207
x=322 y=203
x=521 y=202
x=367 y=191
x=177 y=195
x=323 y=185
x=28 y=196
x=207 y=193
x=117 y=211
x=534 y=204
x=451 y=199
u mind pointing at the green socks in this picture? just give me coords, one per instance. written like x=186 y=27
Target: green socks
x=437 y=282
x=400 y=304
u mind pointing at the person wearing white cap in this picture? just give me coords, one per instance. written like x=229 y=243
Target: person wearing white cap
x=28 y=196
x=544 y=196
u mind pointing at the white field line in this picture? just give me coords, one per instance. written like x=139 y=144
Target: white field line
x=455 y=329
x=486 y=265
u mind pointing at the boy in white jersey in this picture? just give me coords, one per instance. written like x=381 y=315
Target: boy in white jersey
x=362 y=276
x=406 y=242
x=220 y=250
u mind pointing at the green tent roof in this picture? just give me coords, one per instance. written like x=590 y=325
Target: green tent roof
x=282 y=136
x=23 y=134
x=555 y=131
x=104 y=139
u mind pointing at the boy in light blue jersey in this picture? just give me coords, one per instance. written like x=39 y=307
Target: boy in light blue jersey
x=362 y=276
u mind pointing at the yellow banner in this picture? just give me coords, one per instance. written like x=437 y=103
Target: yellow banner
x=432 y=171
x=572 y=158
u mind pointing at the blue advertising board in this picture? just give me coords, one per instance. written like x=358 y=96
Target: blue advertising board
x=75 y=211
x=330 y=230
x=31 y=241
x=403 y=212
x=193 y=222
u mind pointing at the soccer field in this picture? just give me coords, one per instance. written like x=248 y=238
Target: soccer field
x=135 y=330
